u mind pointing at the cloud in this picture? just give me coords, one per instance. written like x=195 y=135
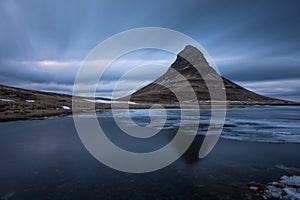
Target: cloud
x=43 y=43
x=128 y=72
x=287 y=89
x=51 y=64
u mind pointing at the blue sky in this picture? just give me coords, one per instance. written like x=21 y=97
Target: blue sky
x=254 y=43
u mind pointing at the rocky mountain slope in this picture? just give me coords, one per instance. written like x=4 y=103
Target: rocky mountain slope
x=160 y=90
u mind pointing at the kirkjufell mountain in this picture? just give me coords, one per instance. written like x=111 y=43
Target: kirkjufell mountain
x=157 y=93
x=17 y=103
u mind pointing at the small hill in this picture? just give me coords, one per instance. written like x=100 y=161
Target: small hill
x=21 y=104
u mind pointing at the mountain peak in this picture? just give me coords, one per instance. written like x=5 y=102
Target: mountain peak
x=189 y=49
x=190 y=55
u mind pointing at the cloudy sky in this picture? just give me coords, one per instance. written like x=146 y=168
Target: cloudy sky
x=254 y=43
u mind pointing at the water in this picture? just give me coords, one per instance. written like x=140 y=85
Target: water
x=45 y=159
x=277 y=124
x=273 y=124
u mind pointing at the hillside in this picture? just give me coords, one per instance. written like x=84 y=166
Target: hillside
x=21 y=104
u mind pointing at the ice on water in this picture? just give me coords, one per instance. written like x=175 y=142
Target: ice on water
x=287 y=188
x=273 y=124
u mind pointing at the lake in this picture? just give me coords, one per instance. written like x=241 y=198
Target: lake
x=45 y=159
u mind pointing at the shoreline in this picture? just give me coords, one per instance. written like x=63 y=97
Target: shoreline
x=22 y=104
x=44 y=114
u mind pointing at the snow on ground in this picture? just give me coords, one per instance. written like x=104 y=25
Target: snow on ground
x=254 y=188
x=287 y=188
x=30 y=101
x=108 y=101
x=291 y=180
x=7 y=100
x=66 y=107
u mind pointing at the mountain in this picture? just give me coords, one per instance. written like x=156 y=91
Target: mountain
x=160 y=90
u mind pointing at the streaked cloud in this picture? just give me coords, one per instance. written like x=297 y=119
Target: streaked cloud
x=43 y=43
x=276 y=88
x=52 y=64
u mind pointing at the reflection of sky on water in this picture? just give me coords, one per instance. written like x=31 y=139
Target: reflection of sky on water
x=261 y=124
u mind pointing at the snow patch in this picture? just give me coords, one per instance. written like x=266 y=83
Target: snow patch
x=30 y=101
x=287 y=188
x=7 y=100
x=291 y=180
x=273 y=191
x=66 y=107
x=254 y=188
x=108 y=101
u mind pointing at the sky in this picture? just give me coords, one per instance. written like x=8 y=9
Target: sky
x=253 y=43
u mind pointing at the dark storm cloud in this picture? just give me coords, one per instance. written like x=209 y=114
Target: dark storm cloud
x=42 y=43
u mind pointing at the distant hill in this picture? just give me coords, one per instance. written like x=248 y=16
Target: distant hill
x=21 y=104
x=235 y=94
